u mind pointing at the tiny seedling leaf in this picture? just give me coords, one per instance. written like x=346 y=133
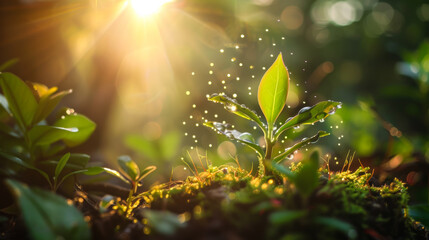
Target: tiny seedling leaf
x=61 y=164
x=273 y=90
x=47 y=215
x=129 y=167
x=309 y=115
x=20 y=99
x=244 y=138
x=299 y=145
x=233 y=106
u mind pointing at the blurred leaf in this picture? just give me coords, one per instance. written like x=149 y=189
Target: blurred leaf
x=244 y=138
x=420 y=213
x=97 y=170
x=45 y=135
x=170 y=144
x=8 y=64
x=129 y=167
x=337 y=224
x=163 y=222
x=233 y=106
x=77 y=161
x=142 y=145
x=47 y=215
x=47 y=104
x=304 y=141
x=309 y=115
x=307 y=178
x=20 y=98
x=85 y=126
x=61 y=164
x=286 y=216
x=4 y=104
x=146 y=172
x=273 y=90
x=284 y=170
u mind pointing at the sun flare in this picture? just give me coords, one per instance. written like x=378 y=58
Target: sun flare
x=146 y=8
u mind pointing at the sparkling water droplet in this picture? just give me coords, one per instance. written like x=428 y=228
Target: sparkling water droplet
x=237 y=47
x=291 y=53
x=210 y=72
x=260 y=39
x=240 y=64
x=237 y=78
x=266 y=30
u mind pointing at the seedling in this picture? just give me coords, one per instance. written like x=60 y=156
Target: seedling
x=272 y=94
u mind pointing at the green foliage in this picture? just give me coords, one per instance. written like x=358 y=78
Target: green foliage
x=272 y=94
x=49 y=216
x=420 y=213
x=30 y=142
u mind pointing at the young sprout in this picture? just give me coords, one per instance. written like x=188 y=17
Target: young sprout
x=272 y=95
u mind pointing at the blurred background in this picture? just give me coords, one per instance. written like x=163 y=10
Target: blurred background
x=142 y=71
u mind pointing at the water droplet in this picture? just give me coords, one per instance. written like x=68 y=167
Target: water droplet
x=336 y=126
x=237 y=78
x=263 y=68
x=266 y=30
x=283 y=38
x=210 y=145
x=274 y=44
x=271 y=55
x=186 y=134
x=211 y=64
x=240 y=64
x=339 y=144
x=250 y=88
x=228 y=75
x=192 y=73
x=296 y=127
x=260 y=39
x=224 y=87
x=250 y=93
x=322 y=120
x=188 y=93
x=215 y=116
x=193 y=136
x=251 y=67
x=191 y=116
x=223 y=82
x=205 y=111
x=196 y=124
x=291 y=53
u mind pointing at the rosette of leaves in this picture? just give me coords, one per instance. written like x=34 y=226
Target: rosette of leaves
x=29 y=142
x=272 y=94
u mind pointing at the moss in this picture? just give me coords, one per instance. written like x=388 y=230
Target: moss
x=345 y=205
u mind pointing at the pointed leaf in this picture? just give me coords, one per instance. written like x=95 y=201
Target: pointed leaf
x=244 y=138
x=146 y=172
x=20 y=99
x=299 y=145
x=97 y=170
x=233 y=106
x=61 y=164
x=129 y=167
x=46 y=135
x=47 y=104
x=47 y=215
x=82 y=123
x=286 y=216
x=273 y=90
x=284 y=171
x=309 y=115
x=8 y=64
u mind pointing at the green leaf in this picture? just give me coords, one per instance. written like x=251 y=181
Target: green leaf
x=47 y=104
x=146 y=172
x=8 y=64
x=337 y=224
x=46 y=135
x=309 y=115
x=129 y=167
x=97 y=170
x=286 y=216
x=20 y=98
x=420 y=213
x=47 y=215
x=68 y=175
x=22 y=163
x=84 y=125
x=307 y=178
x=61 y=164
x=244 y=138
x=233 y=106
x=273 y=90
x=284 y=171
x=304 y=141
x=142 y=145
x=170 y=144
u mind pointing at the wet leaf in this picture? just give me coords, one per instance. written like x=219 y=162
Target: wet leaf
x=233 y=106
x=20 y=99
x=46 y=135
x=47 y=215
x=244 y=138
x=129 y=167
x=309 y=115
x=273 y=90
x=82 y=123
x=299 y=145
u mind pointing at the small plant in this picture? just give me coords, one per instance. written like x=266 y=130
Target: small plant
x=29 y=142
x=272 y=94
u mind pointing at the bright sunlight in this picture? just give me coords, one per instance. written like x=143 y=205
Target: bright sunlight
x=146 y=8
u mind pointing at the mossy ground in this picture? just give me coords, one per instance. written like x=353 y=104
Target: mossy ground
x=229 y=203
